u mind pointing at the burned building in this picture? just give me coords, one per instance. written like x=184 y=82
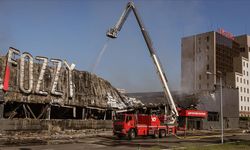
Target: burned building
x=42 y=89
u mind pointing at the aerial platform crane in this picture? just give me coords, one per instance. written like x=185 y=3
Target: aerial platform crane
x=113 y=32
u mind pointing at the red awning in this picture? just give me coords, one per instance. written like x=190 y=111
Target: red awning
x=193 y=113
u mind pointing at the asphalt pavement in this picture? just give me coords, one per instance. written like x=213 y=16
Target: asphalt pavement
x=110 y=142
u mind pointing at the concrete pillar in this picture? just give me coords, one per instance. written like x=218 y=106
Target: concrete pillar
x=48 y=113
x=89 y=114
x=113 y=115
x=105 y=113
x=83 y=114
x=1 y=111
x=74 y=112
x=1 y=105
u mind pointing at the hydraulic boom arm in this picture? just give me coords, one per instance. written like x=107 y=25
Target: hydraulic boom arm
x=112 y=33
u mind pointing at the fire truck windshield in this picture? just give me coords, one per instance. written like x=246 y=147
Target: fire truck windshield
x=120 y=117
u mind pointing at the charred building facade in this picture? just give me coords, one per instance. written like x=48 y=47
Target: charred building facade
x=39 y=88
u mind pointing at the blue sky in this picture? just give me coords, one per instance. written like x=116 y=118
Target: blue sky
x=75 y=30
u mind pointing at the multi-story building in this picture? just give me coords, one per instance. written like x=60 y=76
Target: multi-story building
x=208 y=56
x=203 y=53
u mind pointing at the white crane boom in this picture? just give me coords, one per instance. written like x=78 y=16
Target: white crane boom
x=112 y=33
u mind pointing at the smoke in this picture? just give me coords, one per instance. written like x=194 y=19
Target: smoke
x=98 y=59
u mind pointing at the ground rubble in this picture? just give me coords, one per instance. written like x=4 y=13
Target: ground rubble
x=57 y=136
x=49 y=137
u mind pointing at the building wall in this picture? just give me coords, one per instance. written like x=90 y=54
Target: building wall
x=211 y=103
x=187 y=61
x=197 y=58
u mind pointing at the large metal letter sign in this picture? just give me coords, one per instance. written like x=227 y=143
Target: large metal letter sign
x=56 y=76
x=30 y=60
x=10 y=60
x=26 y=74
x=41 y=75
x=12 y=52
x=70 y=69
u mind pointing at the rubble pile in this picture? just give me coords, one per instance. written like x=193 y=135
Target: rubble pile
x=132 y=102
x=125 y=103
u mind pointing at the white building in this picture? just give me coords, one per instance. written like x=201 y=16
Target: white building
x=242 y=78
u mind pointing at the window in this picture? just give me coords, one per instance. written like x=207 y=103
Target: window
x=247 y=82
x=241 y=98
x=244 y=90
x=245 y=108
x=244 y=98
x=248 y=108
x=207 y=76
x=207 y=85
x=244 y=81
x=199 y=77
x=207 y=47
x=247 y=99
x=207 y=57
x=237 y=79
x=247 y=65
x=241 y=108
x=207 y=67
x=247 y=90
x=207 y=38
x=243 y=63
x=240 y=89
x=240 y=80
x=247 y=73
x=243 y=72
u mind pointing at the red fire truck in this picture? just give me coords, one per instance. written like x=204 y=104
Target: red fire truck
x=132 y=125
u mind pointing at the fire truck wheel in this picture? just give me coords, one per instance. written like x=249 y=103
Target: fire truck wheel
x=131 y=134
x=156 y=134
x=162 y=133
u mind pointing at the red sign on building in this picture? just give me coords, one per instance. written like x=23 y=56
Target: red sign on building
x=193 y=113
x=225 y=33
